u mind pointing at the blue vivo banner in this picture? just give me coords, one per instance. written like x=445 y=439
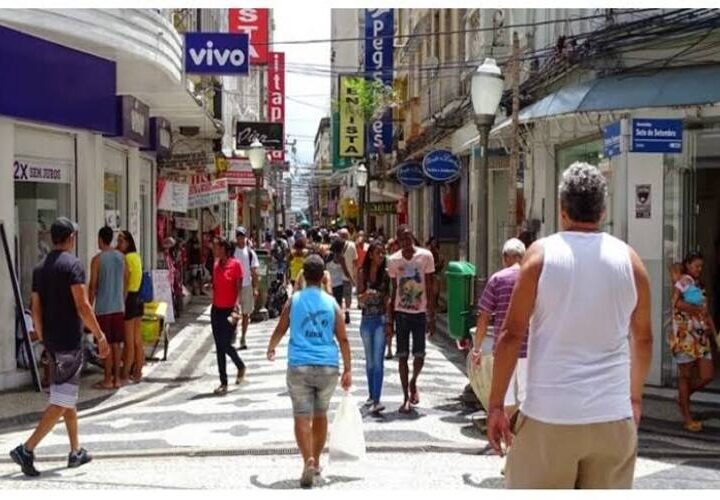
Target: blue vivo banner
x=217 y=53
x=379 y=31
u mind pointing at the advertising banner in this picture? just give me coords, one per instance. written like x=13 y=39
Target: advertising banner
x=172 y=196
x=187 y=223
x=254 y=23
x=611 y=140
x=239 y=173
x=36 y=170
x=270 y=134
x=379 y=30
x=133 y=120
x=441 y=165
x=216 y=54
x=352 y=123
x=207 y=194
x=276 y=99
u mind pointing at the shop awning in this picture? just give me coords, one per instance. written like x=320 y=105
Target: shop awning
x=688 y=86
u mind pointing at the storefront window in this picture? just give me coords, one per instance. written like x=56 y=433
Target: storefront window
x=588 y=152
x=113 y=201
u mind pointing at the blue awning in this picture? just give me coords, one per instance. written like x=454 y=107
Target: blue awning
x=687 y=86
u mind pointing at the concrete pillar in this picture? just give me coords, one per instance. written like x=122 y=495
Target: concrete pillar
x=8 y=371
x=91 y=194
x=474 y=204
x=133 y=194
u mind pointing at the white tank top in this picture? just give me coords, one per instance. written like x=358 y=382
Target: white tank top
x=578 y=351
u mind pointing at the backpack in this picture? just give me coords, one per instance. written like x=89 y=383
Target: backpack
x=145 y=294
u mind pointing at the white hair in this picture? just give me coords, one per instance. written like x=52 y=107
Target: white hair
x=513 y=248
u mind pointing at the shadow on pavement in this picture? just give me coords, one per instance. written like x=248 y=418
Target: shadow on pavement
x=294 y=484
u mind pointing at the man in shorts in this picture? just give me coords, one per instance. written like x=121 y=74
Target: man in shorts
x=315 y=322
x=249 y=261
x=107 y=292
x=411 y=271
x=60 y=306
x=350 y=254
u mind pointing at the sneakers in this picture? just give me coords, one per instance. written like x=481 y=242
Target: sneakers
x=240 y=376
x=78 y=458
x=221 y=390
x=26 y=460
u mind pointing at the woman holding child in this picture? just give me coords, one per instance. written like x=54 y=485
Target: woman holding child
x=692 y=327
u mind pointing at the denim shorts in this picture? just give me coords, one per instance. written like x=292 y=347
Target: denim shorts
x=310 y=388
x=406 y=325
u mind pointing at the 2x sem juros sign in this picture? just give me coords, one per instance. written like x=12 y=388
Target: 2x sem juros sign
x=441 y=166
x=379 y=29
x=268 y=133
x=410 y=175
x=217 y=53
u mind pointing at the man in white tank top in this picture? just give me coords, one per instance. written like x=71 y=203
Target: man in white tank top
x=585 y=297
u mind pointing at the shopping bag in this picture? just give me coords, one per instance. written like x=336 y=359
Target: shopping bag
x=481 y=377
x=347 y=440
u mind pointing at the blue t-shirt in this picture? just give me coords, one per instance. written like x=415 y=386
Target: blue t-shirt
x=312 y=329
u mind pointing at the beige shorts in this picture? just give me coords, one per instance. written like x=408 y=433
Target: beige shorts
x=554 y=456
x=248 y=300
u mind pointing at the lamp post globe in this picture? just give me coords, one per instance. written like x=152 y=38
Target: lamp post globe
x=361 y=176
x=256 y=155
x=486 y=89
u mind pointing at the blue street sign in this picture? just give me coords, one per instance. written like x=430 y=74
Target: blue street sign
x=611 y=140
x=410 y=174
x=217 y=53
x=441 y=165
x=656 y=136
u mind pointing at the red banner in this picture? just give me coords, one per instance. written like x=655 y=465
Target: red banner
x=253 y=22
x=276 y=98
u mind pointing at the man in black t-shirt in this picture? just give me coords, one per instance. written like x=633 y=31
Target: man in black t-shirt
x=60 y=306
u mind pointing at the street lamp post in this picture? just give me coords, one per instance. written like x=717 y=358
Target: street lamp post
x=361 y=177
x=486 y=92
x=256 y=154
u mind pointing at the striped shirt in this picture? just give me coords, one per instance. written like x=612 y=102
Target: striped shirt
x=496 y=300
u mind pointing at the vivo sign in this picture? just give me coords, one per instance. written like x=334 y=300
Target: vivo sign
x=216 y=53
x=379 y=30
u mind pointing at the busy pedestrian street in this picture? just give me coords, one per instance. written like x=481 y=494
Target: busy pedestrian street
x=172 y=432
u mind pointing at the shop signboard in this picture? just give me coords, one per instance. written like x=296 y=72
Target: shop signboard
x=160 y=136
x=172 y=196
x=162 y=292
x=410 y=175
x=254 y=23
x=133 y=123
x=381 y=207
x=37 y=170
x=271 y=135
x=187 y=162
x=379 y=30
x=207 y=194
x=187 y=223
x=239 y=173
x=611 y=140
x=651 y=135
x=441 y=166
x=352 y=123
x=276 y=99
x=216 y=53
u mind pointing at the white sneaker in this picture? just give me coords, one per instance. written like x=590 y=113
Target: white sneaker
x=377 y=408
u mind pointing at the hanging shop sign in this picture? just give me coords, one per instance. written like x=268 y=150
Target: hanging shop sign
x=133 y=123
x=38 y=170
x=239 y=173
x=381 y=207
x=271 y=135
x=352 y=123
x=441 y=166
x=656 y=136
x=611 y=140
x=379 y=30
x=172 y=196
x=216 y=53
x=160 y=136
x=410 y=175
x=187 y=223
x=188 y=162
x=276 y=100
x=207 y=194
x=254 y=23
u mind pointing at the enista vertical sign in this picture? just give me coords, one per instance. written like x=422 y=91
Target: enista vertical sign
x=254 y=23
x=276 y=99
x=379 y=31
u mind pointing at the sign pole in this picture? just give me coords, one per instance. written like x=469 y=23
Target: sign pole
x=20 y=310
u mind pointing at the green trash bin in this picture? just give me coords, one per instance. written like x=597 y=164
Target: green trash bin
x=460 y=276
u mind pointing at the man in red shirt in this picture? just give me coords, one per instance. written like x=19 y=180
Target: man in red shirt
x=227 y=283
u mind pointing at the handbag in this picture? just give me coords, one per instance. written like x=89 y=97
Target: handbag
x=481 y=377
x=347 y=440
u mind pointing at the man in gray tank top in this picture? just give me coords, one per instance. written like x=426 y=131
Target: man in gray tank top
x=585 y=296
x=108 y=290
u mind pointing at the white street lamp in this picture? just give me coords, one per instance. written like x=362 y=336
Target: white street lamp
x=361 y=178
x=256 y=154
x=486 y=92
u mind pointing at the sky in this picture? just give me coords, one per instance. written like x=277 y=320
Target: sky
x=296 y=22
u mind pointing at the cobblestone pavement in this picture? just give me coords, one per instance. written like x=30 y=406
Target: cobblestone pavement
x=172 y=432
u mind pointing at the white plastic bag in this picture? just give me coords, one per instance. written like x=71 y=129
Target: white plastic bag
x=481 y=377
x=347 y=440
